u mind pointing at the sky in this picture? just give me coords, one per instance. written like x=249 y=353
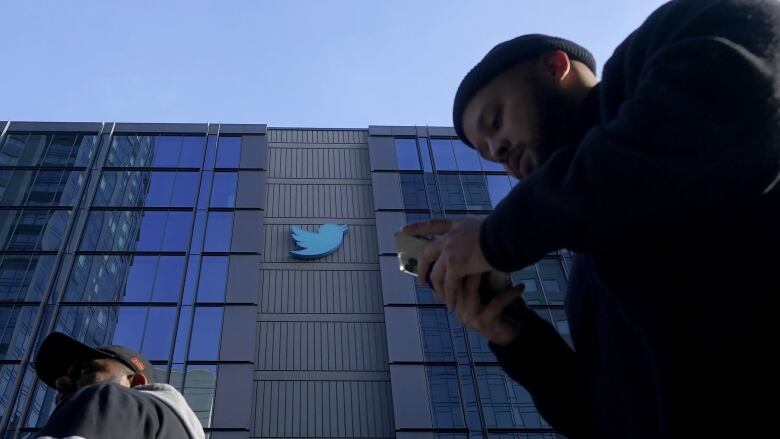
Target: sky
x=285 y=63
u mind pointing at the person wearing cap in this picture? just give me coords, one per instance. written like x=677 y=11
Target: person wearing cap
x=663 y=179
x=109 y=392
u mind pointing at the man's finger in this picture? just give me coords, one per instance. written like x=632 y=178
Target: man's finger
x=437 y=281
x=469 y=305
x=496 y=306
x=431 y=227
x=427 y=259
x=453 y=284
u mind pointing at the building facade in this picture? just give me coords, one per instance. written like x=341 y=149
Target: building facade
x=175 y=239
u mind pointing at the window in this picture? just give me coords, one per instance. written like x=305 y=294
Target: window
x=136 y=231
x=199 y=386
x=451 y=192
x=561 y=323
x=206 y=334
x=164 y=151
x=228 y=152
x=425 y=154
x=191 y=151
x=530 y=279
x=213 y=279
x=60 y=149
x=223 y=191
x=498 y=187
x=413 y=191
x=39 y=188
x=466 y=157
x=433 y=192
x=553 y=280
x=504 y=403
x=445 y=397
x=480 y=350
x=8 y=373
x=435 y=329
x=32 y=230
x=16 y=326
x=406 y=153
x=24 y=277
x=476 y=192
x=443 y=157
x=219 y=229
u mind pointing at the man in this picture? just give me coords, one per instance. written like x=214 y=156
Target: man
x=663 y=179
x=109 y=392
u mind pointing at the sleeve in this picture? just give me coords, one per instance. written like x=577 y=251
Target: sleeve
x=102 y=411
x=541 y=361
x=696 y=137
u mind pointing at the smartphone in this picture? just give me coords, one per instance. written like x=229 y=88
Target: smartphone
x=410 y=249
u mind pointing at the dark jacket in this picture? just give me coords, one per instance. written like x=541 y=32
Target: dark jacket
x=671 y=201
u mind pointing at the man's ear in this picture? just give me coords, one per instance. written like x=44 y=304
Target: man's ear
x=556 y=65
x=138 y=379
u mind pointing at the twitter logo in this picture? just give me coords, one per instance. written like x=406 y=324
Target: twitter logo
x=313 y=245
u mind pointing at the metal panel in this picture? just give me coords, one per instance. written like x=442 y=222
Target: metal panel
x=403 y=334
x=387 y=225
x=382 y=151
x=238 y=334
x=387 y=190
x=250 y=193
x=178 y=128
x=238 y=128
x=253 y=151
x=310 y=291
x=317 y=136
x=411 y=408
x=247 y=231
x=319 y=201
x=397 y=287
x=233 y=399
x=322 y=346
x=359 y=245
x=442 y=132
x=77 y=127
x=302 y=162
x=323 y=409
x=243 y=279
x=380 y=130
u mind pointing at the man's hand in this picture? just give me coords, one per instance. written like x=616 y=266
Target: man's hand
x=452 y=257
x=489 y=319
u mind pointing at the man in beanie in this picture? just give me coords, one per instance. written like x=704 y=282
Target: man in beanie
x=663 y=179
x=109 y=392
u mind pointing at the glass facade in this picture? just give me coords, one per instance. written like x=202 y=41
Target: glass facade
x=114 y=239
x=469 y=394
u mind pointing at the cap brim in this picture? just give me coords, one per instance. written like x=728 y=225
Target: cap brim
x=58 y=353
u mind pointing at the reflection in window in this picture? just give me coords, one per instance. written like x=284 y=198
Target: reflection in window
x=498 y=187
x=199 y=386
x=435 y=331
x=425 y=154
x=146 y=188
x=219 y=229
x=147 y=330
x=466 y=156
x=213 y=279
x=223 y=191
x=451 y=192
x=504 y=403
x=166 y=151
x=58 y=149
x=16 y=326
x=24 y=277
x=443 y=157
x=554 y=280
x=480 y=350
x=206 y=334
x=19 y=187
x=406 y=154
x=8 y=374
x=530 y=279
x=413 y=191
x=445 y=397
x=476 y=192
x=228 y=152
x=32 y=230
x=136 y=231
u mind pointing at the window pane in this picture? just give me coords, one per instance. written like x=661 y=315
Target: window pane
x=168 y=279
x=131 y=151
x=8 y=373
x=127 y=325
x=223 y=192
x=32 y=230
x=504 y=403
x=442 y=155
x=159 y=333
x=152 y=229
x=213 y=279
x=480 y=349
x=177 y=230
x=219 y=229
x=451 y=192
x=228 y=152
x=433 y=192
x=140 y=279
x=24 y=277
x=61 y=151
x=498 y=187
x=445 y=397
x=85 y=148
x=435 y=329
x=199 y=386
x=16 y=326
x=12 y=149
x=192 y=151
x=425 y=154
x=206 y=334
x=554 y=280
x=166 y=151
x=413 y=191
x=529 y=277
x=184 y=189
x=160 y=189
x=466 y=157
x=475 y=189
x=406 y=153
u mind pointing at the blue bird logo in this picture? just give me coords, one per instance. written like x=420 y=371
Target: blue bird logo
x=313 y=245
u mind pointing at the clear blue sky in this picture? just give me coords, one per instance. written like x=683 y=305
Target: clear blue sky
x=315 y=63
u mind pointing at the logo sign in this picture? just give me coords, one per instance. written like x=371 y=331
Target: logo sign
x=313 y=245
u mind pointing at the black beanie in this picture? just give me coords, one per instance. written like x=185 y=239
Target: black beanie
x=507 y=55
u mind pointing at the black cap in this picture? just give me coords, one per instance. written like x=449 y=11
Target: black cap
x=504 y=56
x=59 y=352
